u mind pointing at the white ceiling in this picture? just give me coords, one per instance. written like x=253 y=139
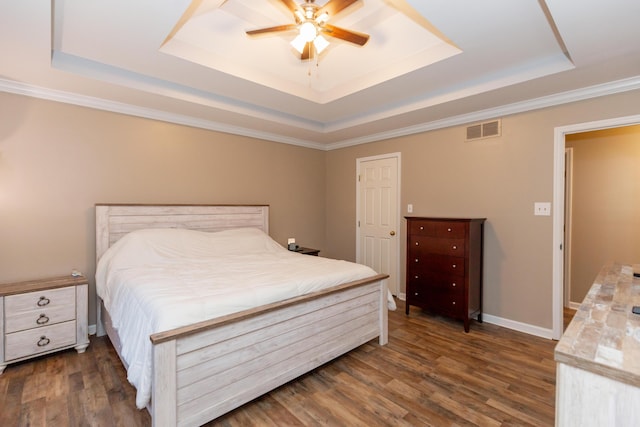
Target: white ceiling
x=495 y=57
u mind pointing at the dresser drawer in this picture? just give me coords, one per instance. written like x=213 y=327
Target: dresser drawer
x=46 y=299
x=435 y=282
x=39 y=340
x=451 y=303
x=446 y=229
x=430 y=245
x=436 y=264
x=441 y=299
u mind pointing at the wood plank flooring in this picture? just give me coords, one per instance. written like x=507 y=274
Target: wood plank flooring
x=430 y=374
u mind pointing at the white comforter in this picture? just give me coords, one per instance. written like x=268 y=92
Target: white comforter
x=156 y=280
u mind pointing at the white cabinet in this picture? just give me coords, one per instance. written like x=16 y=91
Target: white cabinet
x=42 y=316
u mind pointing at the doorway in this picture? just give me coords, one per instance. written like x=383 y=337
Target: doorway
x=559 y=211
x=378 y=215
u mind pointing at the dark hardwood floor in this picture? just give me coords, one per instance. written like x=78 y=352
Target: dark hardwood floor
x=430 y=374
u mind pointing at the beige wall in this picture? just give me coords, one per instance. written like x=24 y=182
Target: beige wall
x=58 y=160
x=499 y=179
x=606 y=203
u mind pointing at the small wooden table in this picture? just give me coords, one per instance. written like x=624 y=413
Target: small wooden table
x=307 y=251
x=42 y=316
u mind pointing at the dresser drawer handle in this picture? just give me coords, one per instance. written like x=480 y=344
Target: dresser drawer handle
x=453 y=284
x=455 y=247
x=449 y=230
x=417 y=243
x=43 y=301
x=416 y=276
x=42 y=319
x=421 y=227
x=416 y=259
x=43 y=341
x=454 y=303
x=453 y=266
x=415 y=294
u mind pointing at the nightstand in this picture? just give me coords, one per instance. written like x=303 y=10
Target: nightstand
x=42 y=316
x=307 y=251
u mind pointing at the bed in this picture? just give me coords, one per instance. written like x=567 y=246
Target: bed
x=205 y=368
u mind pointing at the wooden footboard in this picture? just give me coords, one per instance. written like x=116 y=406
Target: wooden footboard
x=205 y=370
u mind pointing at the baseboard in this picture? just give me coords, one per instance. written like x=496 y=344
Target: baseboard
x=518 y=326
x=574 y=305
x=509 y=324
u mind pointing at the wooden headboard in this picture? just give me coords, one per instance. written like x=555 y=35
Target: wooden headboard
x=114 y=221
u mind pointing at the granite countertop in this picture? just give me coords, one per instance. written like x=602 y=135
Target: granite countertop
x=604 y=335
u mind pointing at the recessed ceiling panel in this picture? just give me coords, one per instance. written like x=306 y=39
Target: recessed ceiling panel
x=212 y=34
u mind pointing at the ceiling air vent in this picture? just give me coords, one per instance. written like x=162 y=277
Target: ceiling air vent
x=484 y=130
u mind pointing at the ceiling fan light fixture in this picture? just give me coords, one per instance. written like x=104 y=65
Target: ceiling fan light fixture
x=298 y=43
x=308 y=31
x=312 y=20
x=322 y=19
x=320 y=44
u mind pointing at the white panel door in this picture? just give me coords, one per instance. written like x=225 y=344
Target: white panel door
x=378 y=217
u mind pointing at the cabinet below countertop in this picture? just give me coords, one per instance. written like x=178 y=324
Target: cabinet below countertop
x=598 y=356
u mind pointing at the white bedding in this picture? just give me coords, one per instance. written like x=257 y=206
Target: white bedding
x=190 y=276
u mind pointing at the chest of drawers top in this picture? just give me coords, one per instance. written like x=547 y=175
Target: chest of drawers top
x=440 y=227
x=7 y=289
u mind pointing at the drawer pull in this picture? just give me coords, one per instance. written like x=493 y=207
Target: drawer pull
x=416 y=276
x=43 y=301
x=416 y=259
x=42 y=319
x=455 y=247
x=454 y=303
x=415 y=294
x=449 y=230
x=43 y=341
x=453 y=284
x=421 y=227
x=417 y=243
x=453 y=266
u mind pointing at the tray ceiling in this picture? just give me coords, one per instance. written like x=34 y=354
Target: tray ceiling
x=427 y=64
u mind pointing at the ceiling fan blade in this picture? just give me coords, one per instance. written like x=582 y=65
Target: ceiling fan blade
x=347 y=35
x=276 y=29
x=291 y=5
x=307 y=52
x=334 y=6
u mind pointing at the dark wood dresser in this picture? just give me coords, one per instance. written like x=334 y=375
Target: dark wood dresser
x=444 y=266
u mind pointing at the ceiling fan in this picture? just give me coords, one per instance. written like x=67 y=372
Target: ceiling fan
x=311 y=22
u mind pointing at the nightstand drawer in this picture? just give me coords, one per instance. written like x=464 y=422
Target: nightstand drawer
x=39 y=318
x=40 y=340
x=46 y=299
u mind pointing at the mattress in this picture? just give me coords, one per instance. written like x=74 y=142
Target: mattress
x=155 y=280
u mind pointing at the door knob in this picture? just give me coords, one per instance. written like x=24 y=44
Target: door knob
x=393 y=233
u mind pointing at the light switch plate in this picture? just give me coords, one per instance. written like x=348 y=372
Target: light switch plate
x=542 y=208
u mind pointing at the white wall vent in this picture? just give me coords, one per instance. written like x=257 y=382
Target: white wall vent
x=484 y=130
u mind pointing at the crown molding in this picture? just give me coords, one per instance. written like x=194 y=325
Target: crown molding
x=33 y=91
x=610 y=88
